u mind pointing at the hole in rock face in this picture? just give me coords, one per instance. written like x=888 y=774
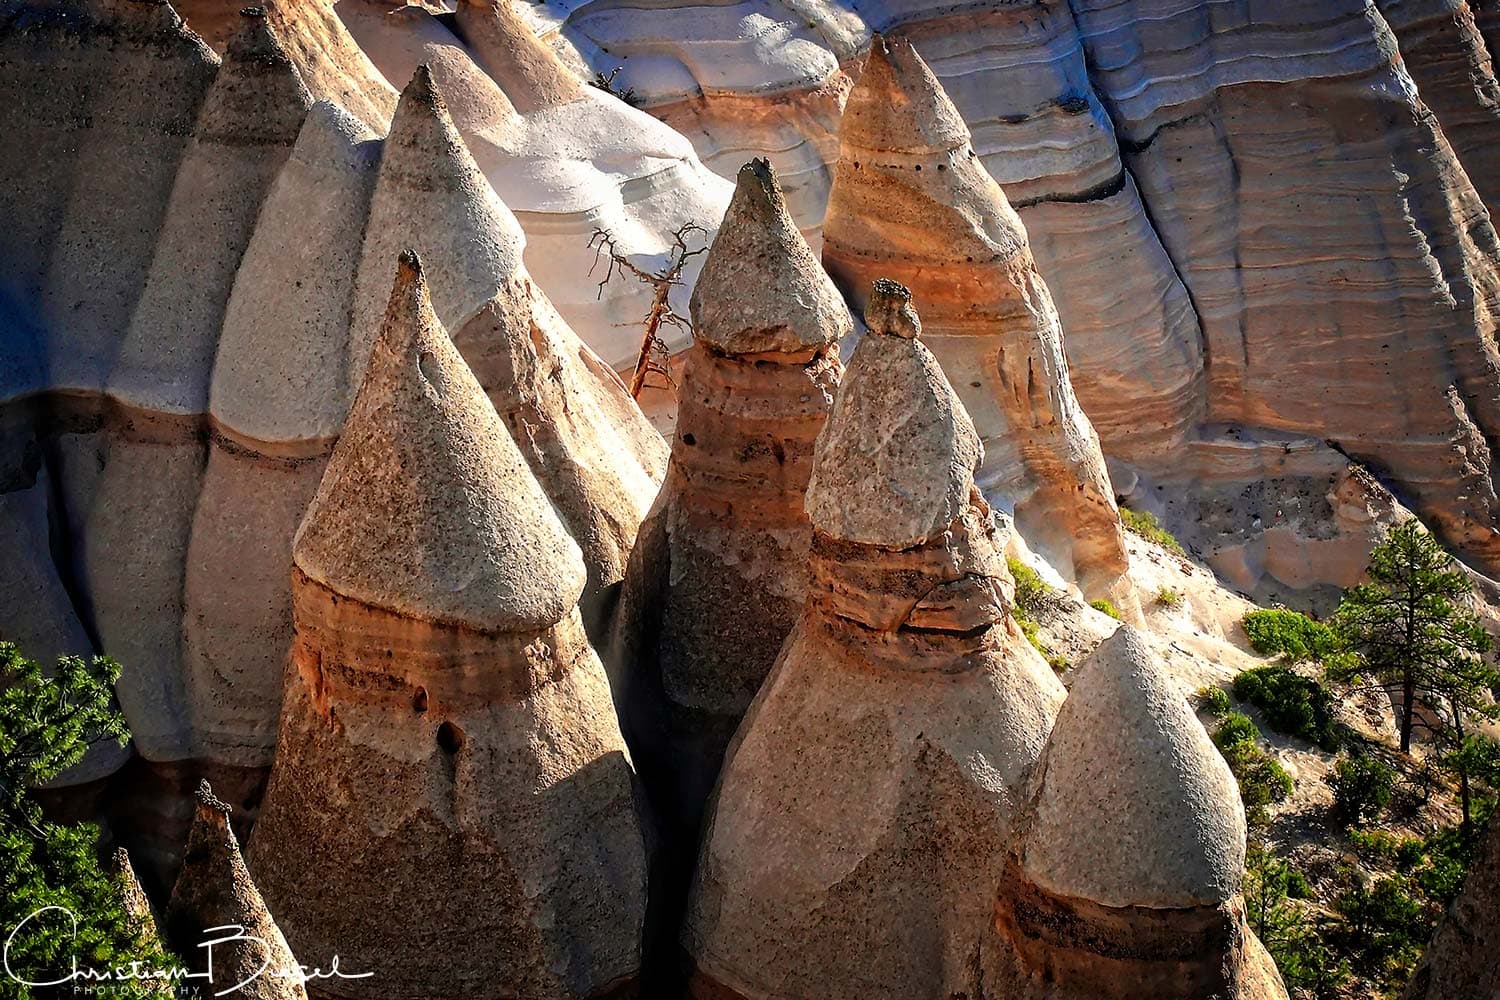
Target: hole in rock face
x=419 y=701
x=450 y=738
x=427 y=365
x=689 y=440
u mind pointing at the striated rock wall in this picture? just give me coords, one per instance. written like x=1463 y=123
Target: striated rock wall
x=1293 y=197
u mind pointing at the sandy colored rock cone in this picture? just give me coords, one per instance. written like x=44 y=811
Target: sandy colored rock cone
x=911 y=201
x=865 y=805
x=1125 y=878
x=448 y=754
x=529 y=72
x=595 y=454
x=214 y=892
x=720 y=572
x=245 y=132
x=1464 y=957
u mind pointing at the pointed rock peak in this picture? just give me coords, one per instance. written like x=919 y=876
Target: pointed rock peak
x=214 y=890
x=894 y=466
x=1135 y=806
x=524 y=66
x=255 y=40
x=762 y=290
x=426 y=508
x=889 y=310
x=899 y=106
x=132 y=896
x=421 y=91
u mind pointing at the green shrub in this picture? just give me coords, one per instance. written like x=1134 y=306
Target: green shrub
x=1214 y=700
x=1383 y=847
x=1236 y=727
x=1291 y=704
x=47 y=724
x=1279 y=632
x=1145 y=524
x=1168 y=598
x=1102 y=605
x=1261 y=777
x=1362 y=788
x=1031 y=590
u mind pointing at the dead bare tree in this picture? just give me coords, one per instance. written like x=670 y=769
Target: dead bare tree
x=653 y=355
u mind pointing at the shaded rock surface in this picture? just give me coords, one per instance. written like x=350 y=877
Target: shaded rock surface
x=1463 y=960
x=214 y=894
x=868 y=797
x=446 y=722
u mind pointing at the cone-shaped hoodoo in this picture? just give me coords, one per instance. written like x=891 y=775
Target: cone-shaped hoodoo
x=910 y=200
x=868 y=798
x=448 y=754
x=1125 y=881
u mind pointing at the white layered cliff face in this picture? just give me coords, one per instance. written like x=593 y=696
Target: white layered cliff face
x=1258 y=222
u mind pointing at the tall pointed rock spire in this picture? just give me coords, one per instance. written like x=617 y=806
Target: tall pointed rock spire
x=215 y=892
x=596 y=456
x=431 y=196
x=427 y=507
x=529 y=72
x=721 y=569
x=448 y=754
x=865 y=806
x=911 y=201
x=244 y=133
x=907 y=447
x=1125 y=877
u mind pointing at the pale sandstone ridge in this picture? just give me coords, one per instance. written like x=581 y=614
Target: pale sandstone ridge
x=423 y=510
x=448 y=754
x=867 y=801
x=910 y=200
x=214 y=892
x=276 y=403
x=1125 y=878
x=721 y=568
x=431 y=195
x=567 y=159
x=1463 y=959
x=527 y=70
x=327 y=58
x=596 y=456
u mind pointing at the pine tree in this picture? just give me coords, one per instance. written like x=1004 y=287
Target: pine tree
x=1411 y=631
x=47 y=724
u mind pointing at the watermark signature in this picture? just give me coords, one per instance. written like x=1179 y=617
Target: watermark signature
x=137 y=971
